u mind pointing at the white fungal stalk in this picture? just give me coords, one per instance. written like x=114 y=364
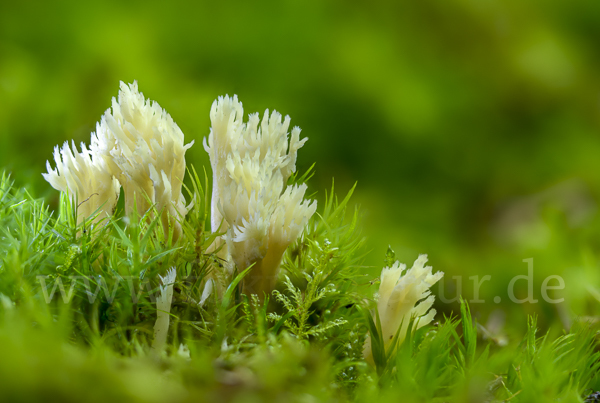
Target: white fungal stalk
x=85 y=178
x=163 y=308
x=402 y=297
x=251 y=203
x=144 y=148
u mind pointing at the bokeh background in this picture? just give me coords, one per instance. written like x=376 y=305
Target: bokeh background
x=472 y=127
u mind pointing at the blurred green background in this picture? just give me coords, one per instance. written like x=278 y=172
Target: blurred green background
x=471 y=126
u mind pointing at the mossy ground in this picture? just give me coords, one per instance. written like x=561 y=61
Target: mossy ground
x=90 y=340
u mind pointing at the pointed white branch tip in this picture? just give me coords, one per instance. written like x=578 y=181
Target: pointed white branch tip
x=206 y=293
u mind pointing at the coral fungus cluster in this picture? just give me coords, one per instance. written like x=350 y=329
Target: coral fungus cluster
x=251 y=202
x=256 y=212
x=138 y=146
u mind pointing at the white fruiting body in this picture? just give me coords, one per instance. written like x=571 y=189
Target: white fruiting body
x=136 y=144
x=251 y=203
x=163 y=308
x=402 y=297
x=86 y=179
x=143 y=147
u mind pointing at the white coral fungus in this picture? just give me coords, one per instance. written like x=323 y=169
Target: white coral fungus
x=402 y=297
x=144 y=149
x=136 y=144
x=260 y=215
x=84 y=177
x=163 y=307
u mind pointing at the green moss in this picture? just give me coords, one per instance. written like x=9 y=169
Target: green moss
x=85 y=331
